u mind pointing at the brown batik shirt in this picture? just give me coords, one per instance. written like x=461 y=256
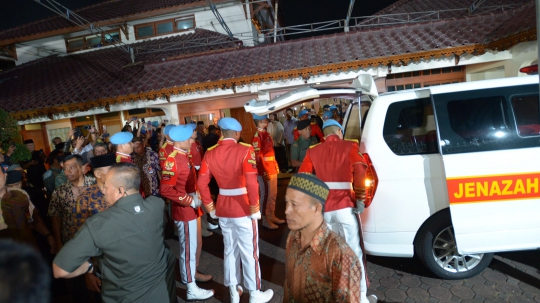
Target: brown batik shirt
x=63 y=204
x=326 y=270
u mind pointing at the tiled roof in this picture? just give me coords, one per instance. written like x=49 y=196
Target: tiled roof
x=444 y=9
x=103 y=11
x=93 y=79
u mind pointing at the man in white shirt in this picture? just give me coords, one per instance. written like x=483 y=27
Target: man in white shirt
x=275 y=129
x=288 y=126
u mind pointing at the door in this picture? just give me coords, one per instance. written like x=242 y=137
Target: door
x=39 y=137
x=246 y=120
x=489 y=143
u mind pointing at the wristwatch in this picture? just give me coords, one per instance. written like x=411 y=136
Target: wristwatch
x=90 y=266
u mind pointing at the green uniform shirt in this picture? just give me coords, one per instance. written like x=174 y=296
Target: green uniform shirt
x=300 y=147
x=129 y=238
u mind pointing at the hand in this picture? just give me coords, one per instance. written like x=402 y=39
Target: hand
x=93 y=283
x=80 y=142
x=266 y=177
x=52 y=243
x=11 y=150
x=213 y=214
x=70 y=133
x=33 y=162
x=256 y=216
x=92 y=130
x=196 y=200
x=359 y=207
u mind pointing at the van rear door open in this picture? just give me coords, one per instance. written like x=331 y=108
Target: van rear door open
x=490 y=143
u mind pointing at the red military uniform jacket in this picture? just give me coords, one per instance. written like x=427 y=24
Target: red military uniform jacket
x=164 y=152
x=264 y=153
x=337 y=160
x=121 y=157
x=196 y=153
x=178 y=179
x=233 y=166
x=315 y=132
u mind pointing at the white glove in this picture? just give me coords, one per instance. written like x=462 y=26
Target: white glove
x=359 y=207
x=213 y=214
x=256 y=216
x=196 y=200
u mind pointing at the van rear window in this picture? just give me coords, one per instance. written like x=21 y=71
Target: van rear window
x=409 y=128
x=527 y=115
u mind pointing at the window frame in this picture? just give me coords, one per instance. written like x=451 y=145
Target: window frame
x=155 y=24
x=84 y=38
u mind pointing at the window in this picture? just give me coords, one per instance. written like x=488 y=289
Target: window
x=409 y=128
x=527 y=115
x=164 y=27
x=488 y=119
x=92 y=41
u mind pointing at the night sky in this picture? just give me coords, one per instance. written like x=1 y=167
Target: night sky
x=291 y=12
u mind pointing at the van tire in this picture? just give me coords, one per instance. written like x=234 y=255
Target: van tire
x=439 y=227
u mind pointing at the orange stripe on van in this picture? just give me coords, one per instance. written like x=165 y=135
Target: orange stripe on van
x=493 y=188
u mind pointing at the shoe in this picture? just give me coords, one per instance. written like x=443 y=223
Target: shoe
x=272 y=218
x=212 y=226
x=200 y=277
x=289 y=170
x=206 y=233
x=372 y=298
x=236 y=292
x=268 y=224
x=257 y=296
x=194 y=293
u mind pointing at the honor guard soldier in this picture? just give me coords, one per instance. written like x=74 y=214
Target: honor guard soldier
x=234 y=167
x=327 y=115
x=124 y=147
x=167 y=147
x=340 y=165
x=315 y=129
x=179 y=185
x=268 y=170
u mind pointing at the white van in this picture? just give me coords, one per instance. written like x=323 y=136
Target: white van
x=455 y=168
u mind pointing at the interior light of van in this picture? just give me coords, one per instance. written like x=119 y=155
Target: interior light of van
x=371 y=177
x=529 y=70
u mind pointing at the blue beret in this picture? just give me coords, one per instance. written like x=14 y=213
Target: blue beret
x=181 y=132
x=303 y=112
x=257 y=117
x=121 y=138
x=333 y=107
x=327 y=115
x=331 y=122
x=155 y=123
x=192 y=125
x=230 y=124
x=168 y=128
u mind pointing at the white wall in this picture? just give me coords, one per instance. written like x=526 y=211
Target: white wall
x=233 y=15
x=53 y=129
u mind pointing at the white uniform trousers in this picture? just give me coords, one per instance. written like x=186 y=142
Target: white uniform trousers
x=190 y=241
x=344 y=223
x=241 y=241
x=268 y=193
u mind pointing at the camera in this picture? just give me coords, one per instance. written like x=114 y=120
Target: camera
x=142 y=120
x=87 y=127
x=76 y=133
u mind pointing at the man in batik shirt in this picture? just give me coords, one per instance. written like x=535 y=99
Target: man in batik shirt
x=320 y=266
x=148 y=162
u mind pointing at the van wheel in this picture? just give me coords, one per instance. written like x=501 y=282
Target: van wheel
x=436 y=247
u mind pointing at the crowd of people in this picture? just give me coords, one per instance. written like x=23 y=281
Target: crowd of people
x=101 y=208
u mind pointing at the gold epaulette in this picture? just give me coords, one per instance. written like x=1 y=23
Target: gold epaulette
x=211 y=148
x=245 y=144
x=173 y=154
x=164 y=145
x=256 y=134
x=352 y=140
x=312 y=146
x=118 y=158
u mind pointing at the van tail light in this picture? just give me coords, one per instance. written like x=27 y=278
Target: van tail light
x=529 y=70
x=371 y=181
